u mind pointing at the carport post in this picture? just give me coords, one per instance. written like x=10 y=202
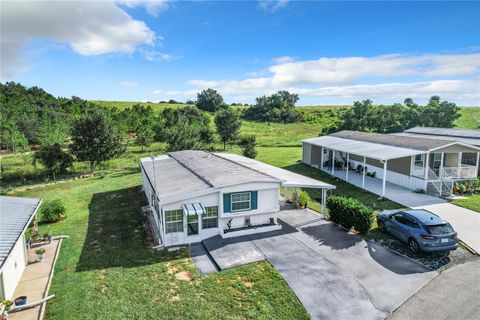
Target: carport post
x=478 y=158
x=384 y=178
x=321 y=158
x=348 y=166
x=333 y=162
x=363 y=176
x=324 y=195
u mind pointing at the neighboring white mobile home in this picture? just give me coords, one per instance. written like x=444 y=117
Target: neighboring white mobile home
x=194 y=195
x=432 y=165
x=15 y=216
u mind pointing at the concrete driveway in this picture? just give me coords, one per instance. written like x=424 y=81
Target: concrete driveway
x=335 y=274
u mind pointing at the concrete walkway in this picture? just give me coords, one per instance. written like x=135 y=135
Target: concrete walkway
x=202 y=260
x=35 y=280
x=466 y=222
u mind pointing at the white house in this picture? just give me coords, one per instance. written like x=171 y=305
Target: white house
x=432 y=165
x=194 y=195
x=15 y=216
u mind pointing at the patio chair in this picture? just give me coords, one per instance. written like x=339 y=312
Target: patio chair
x=359 y=168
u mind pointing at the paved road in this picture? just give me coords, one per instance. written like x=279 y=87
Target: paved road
x=454 y=294
x=335 y=274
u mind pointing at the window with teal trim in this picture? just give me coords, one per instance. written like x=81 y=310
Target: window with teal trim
x=241 y=201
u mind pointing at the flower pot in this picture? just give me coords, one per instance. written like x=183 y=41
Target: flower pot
x=40 y=256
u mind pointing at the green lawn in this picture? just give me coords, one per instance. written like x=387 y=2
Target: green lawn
x=470 y=202
x=106 y=269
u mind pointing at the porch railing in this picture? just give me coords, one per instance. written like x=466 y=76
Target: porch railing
x=455 y=173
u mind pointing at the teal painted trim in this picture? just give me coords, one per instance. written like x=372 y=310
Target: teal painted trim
x=227 y=203
x=254 y=199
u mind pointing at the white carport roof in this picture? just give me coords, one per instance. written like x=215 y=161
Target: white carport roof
x=362 y=148
x=288 y=178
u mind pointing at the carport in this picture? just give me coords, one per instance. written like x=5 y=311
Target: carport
x=288 y=178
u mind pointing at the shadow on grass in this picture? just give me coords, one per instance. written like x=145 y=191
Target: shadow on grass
x=116 y=233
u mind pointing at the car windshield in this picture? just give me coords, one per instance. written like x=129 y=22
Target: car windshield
x=439 y=229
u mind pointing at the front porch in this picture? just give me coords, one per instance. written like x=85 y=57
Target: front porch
x=392 y=191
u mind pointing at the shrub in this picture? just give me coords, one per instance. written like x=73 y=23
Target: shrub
x=303 y=198
x=53 y=211
x=248 y=144
x=349 y=213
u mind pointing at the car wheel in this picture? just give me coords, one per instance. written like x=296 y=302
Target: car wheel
x=413 y=244
x=381 y=226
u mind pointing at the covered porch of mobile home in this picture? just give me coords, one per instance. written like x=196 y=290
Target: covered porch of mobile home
x=359 y=162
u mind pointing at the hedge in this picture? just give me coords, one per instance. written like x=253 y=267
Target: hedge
x=349 y=213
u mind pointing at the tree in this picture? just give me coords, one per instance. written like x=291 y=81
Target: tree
x=184 y=136
x=228 y=125
x=279 y=107
x=248 y=144
x=53 y=158
x=209 y=100
x=50 y=133
x=145 y=134
x=95 y=139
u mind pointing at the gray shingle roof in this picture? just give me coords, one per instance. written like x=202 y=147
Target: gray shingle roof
x=189 y=171
x=392 y=140
x=15 y=215
x=452 y=132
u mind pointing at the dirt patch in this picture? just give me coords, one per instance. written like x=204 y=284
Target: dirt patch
x=248 y=284
x=174 y=298
x=171 y=269
x=184 y=276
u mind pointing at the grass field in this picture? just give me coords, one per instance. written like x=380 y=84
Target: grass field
x=470 y=202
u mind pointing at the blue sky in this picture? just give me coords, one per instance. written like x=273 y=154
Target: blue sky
x=328 y=52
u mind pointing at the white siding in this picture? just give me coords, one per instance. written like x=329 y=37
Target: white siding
x=13 y=268
x=306 y=153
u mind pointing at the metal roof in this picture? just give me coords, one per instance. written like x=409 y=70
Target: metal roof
x=365 y=149
x=424 y=143
x=185 y=172
x=452 y=132
x=15 y=216
x=288 y=178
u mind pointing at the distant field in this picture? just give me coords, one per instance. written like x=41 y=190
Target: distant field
x=470 y=118
x=286 y=135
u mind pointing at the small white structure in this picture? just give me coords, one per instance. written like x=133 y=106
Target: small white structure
x=15 y=216
x=194 y=195
x=432 y=165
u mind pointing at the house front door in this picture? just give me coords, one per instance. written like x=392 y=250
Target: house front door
x=192 y=224
x=436 y=160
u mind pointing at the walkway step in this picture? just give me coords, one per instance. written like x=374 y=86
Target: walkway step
x=202 y=259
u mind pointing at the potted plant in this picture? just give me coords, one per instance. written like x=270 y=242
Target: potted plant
x=8 y=304
x=40 y=254
x=48 y=236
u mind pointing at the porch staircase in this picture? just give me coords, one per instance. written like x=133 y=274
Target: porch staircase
x=439 y=186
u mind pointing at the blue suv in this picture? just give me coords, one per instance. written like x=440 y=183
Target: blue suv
x=421 y=229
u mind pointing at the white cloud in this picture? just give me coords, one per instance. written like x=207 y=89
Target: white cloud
x=89 y=27
x=283 y=59
x=272 y=5
x=157 y=92
x=153 y=7
x=129 y=84
x=370 y=77
x=152 y=55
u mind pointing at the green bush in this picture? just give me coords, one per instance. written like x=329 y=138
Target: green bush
x=53 y=211
x=349 y=213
